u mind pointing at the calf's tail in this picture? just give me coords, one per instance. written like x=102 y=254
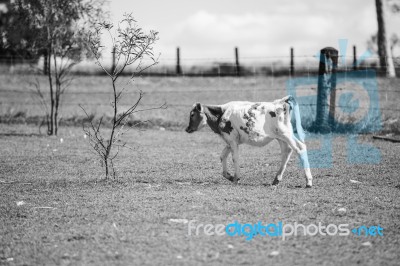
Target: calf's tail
x=295 y=107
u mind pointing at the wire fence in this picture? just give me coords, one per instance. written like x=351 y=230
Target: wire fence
x=299 y=65
x=168 y=91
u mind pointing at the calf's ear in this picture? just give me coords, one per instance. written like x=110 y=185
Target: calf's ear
x=199 y=107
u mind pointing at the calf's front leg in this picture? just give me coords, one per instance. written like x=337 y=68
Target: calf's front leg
x=224 y=157
x=235 y=159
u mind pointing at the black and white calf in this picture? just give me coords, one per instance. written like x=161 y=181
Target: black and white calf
x=256 y=124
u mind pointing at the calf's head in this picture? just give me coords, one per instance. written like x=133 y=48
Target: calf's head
x=197 y=118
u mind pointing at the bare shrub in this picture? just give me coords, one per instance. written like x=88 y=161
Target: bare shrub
x=130 y=47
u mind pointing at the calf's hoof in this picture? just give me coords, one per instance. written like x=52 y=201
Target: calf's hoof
x=308 y=186
x=275 y=182
x=231 y=178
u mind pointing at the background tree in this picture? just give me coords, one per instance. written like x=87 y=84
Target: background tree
x=131 y=46
x=58 y=30
x=394 y=41
x=385 y=57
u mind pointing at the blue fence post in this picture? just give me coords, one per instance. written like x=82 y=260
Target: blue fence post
x=325 y=117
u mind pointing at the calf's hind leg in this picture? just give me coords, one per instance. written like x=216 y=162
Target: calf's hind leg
x=301 y=149
x=286 y=151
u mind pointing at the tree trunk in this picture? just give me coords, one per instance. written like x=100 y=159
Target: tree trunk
x=106 y=166
x=45 y=62
x=56 y=95
x=56 y=106
x=50 y=128
x=385 y=57
x=110 y=143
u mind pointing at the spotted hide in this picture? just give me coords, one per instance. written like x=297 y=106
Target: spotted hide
x=256 y=124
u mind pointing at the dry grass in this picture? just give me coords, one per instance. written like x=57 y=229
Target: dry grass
x=175 y=175
x=94 y=93
x=70 y=215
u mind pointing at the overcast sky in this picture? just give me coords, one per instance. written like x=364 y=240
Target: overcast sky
x=210 y=29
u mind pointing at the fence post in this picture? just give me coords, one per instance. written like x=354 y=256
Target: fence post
x=325 y=117
x=237 y=61
x=291 y=61
x=178 y=62
x=113 y=61
x=354 y=58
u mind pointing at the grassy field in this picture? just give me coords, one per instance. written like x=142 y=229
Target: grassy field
x=55 y=209
x=19 y=105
